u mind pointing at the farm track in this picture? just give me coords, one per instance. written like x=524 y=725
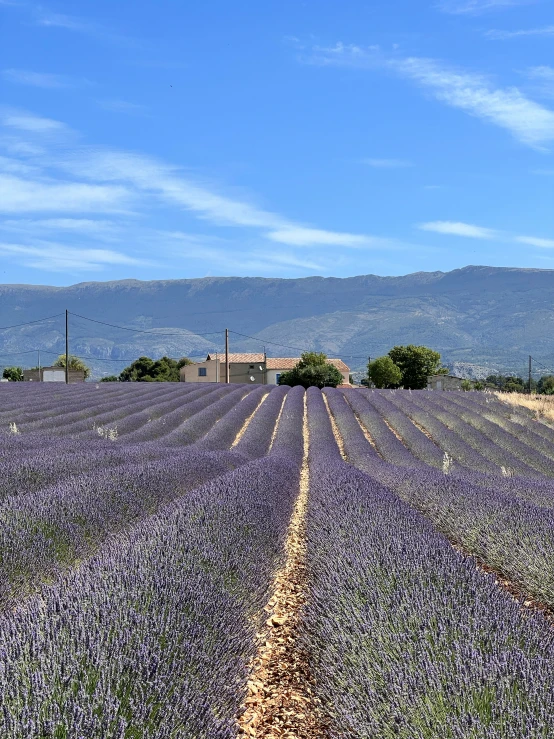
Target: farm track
x=336 y=432
x=277 y=422
x=281 y=703
x=363 y=428
x=245 y=425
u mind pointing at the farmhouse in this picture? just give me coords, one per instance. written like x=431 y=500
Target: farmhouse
x=444 y=382
x=250 y=368
x=242 y=368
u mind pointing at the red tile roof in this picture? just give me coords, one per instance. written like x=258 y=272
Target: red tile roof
x=235 y=358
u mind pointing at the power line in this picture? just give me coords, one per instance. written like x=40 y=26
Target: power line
x=18 y=354
x=142 y=331
x=286 y=346
x=28 y=323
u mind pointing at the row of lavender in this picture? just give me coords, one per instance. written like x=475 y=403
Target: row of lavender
x=152 y=412
x=477 y=435
x=152 y=636
x=408 y=639
x=60 y=501
x=507 y=522
x=33 y=458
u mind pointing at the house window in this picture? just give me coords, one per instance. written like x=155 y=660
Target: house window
x=202 y=372
x=277 y=377
x=251 y=366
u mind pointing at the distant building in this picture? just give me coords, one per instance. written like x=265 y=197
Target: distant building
x=249 y=368
x=243 y=368
x=53 y=374
x=444 y=382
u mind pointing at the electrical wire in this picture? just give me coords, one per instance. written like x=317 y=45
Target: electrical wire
x=28 y=323
x=286 y=346
x=18 y=354
x=141 y=331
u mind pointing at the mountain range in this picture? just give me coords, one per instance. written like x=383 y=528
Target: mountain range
x=481 y=319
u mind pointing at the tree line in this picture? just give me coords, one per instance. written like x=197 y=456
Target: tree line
x=403 y=367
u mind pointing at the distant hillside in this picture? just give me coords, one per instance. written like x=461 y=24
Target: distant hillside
x=486 y=316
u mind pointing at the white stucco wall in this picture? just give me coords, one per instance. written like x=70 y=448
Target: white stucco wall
x=271 y=376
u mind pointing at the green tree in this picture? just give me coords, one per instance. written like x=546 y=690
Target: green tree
x=384 y=373
x=145 y=369
x=74 y=364
x=313 y=370
x=416 y=363
x=110 y=378
x=514 y=385
x=466 y=385
x=14 y=374
x=545 y=386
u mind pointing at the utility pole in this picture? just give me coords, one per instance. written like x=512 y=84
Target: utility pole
x=530 y=361
x=66 y=346
x=227 y=355
x=39 y=377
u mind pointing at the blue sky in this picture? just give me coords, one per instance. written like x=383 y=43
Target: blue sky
x=161 y=140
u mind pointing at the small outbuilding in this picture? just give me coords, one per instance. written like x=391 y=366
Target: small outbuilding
x=444 y=382
x=53 y=374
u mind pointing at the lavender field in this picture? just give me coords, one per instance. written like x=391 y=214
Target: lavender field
x=224 y=560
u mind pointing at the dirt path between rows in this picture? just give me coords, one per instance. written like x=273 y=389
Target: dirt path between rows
x=281 y=702
x=363 y=427
x=245 y=425
x=277 y=422
x=337 y=434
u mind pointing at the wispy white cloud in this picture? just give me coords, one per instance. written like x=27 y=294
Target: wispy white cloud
x=19 y=195
x=541 y=73
x=99 y=229
x=534 y=241
x=542 y=80
x=17 y=167
x=20 y=147
x=454 y=228
x=30 y=123
x=69 y=22
x=468 y=230
x=168 y=183
x=387 y=163
x=499 y=35
x=252 y=259
x=38 y=79
x=528 y=121
x=476 y=7
x=299 y=236
x=94 y=30
x=53 y=257
x=67 y=194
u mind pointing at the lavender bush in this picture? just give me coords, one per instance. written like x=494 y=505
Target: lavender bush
x=151 y=638
x=407 y=639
